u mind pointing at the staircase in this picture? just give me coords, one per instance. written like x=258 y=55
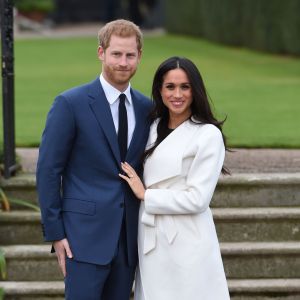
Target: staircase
x=257 y=217
x=258 y=223
x=32 y=272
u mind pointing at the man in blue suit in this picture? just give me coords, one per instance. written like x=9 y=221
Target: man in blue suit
x=88 y=212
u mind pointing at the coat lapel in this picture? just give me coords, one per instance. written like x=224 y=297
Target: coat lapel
x=166 y=161
x=102 y=112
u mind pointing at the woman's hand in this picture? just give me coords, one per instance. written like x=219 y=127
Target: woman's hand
x=133 y=180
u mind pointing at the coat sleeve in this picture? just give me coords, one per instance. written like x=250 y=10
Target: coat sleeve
x=54 y=150
x=201 y=180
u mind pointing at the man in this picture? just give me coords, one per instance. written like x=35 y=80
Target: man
x=88 y=212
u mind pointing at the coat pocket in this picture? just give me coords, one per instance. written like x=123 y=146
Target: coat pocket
x=79 y=206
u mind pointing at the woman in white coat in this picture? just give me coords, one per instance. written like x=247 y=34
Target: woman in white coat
x=179 y=254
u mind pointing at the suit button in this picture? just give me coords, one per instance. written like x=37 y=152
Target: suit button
x=122 y=205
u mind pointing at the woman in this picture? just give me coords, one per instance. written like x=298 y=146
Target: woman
x=179 y=255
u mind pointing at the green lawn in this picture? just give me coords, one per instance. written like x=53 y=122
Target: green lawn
x=259 y=93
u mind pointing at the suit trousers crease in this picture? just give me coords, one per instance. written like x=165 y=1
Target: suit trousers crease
x=85 y=281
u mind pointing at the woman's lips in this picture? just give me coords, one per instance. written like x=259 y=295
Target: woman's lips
x=177 y=103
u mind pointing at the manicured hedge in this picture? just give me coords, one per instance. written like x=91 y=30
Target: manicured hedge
x=34 y=5
x=268 y=25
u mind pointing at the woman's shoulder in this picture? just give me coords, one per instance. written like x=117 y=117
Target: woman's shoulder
x=207 y=133
x=203 y=128
x=210 y=129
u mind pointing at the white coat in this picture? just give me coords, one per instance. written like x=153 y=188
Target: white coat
x=179 y=254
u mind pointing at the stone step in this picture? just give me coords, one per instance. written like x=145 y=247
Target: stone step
x=20 y=227
x=33 y=290
x=233 y=225
x=258 y=190
x=264 y=289
x=241 y=261
x=265 y=224
x=261 y=260
x=31 y=263
x=237 y=190
x=22 y=186
x=240 y=289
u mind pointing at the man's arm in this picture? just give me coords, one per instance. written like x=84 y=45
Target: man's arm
x=56 y=144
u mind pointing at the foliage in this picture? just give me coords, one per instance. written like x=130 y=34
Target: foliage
x=2 y=271
x=21 y=202
x=272 y=26
x=1 y=294
x=1 y=153
x=6 y=202
x=1 y=158
x=5 y=205
x=2 y=266
x=35 y=5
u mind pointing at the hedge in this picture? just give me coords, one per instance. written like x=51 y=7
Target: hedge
x=267 y=25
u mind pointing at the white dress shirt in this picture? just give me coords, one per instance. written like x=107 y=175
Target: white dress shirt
x=112 y=96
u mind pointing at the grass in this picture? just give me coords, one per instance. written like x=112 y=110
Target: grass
x=259 y=93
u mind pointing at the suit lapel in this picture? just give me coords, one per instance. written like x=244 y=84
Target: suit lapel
x=102 y=112
x=140 y=123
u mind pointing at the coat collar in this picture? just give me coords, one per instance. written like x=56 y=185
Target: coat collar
x=166 y=161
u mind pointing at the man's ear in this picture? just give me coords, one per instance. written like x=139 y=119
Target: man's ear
x=140 y=55
x=100 y=53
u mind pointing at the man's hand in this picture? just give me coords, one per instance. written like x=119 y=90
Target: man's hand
x=62 y=249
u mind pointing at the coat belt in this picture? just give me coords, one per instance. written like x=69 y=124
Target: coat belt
x=149 y=222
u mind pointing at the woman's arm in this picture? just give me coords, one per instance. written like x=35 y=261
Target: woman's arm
x=201 y=180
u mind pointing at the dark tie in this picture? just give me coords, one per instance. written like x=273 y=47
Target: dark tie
x=123 y=127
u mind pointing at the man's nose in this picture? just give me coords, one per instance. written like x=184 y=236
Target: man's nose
x=123 y=60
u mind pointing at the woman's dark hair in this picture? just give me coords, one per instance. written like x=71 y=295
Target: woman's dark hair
x=200 y=107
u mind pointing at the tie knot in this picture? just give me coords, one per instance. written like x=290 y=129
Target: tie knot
x=122 y=97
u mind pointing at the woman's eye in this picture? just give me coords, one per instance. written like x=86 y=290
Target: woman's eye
x=185 y=87
x=169 y=87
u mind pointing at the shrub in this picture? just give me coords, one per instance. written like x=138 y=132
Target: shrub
x=35 y=5
x=272 y=26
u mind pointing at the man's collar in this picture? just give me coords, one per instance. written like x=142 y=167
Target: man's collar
x=112 y=94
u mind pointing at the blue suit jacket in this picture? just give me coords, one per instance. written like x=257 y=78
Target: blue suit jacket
x=80 y=193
